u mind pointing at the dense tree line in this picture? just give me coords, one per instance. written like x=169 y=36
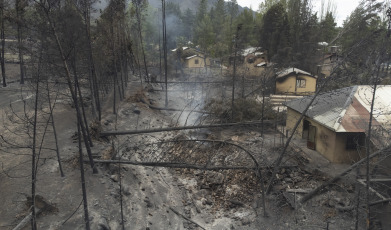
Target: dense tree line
x=290 y=30
x=130 y=32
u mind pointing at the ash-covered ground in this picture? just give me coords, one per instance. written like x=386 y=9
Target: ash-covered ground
x=155 y=197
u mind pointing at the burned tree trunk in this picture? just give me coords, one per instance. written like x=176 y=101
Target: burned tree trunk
x=77 y=88
x=165 y=48
x=137 y=4
x=19 y=17
x=54 y=129
x=2 y=37
x=234 y=73
x=82 y=178
x=92 y=71
x=33 y=159
x=69 y=82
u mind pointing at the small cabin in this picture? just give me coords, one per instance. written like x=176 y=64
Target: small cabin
x=294 y=81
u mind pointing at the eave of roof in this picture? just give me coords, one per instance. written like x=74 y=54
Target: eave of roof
x=326 y=108
x=250 y=50
x=289 y=71
x=348 y=109
x=261 y=64
x=192 y=56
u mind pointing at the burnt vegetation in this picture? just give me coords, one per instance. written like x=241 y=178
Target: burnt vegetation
x=156 y=115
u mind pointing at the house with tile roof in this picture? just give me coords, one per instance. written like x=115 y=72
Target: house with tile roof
x=336 y=123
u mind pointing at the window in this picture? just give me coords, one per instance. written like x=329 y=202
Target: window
x=355 y=140
x=300 y=83
x=196 y=61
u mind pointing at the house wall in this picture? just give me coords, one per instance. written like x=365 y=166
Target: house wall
x=190 y=63
x=324 y=138
x=310 y=86
x=291 y=118
x=207 y=61
x=330 y=144
x=326 y=69
x=288 y=85
x=326 y=142
x=348 y=156
x=328 y=63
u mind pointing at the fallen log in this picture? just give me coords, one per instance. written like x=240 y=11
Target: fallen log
x=364 y=183
x=187 y=166
x=298 y=190
x=380 y=202
x=344 y=209
x=193 y=82
x=41 y=205
x=129 y=132
x=385 y=151
x=26 y=220
x=349 y=208
x=172 y=109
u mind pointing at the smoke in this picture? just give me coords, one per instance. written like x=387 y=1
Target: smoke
x=190 y=99
x=174 y=30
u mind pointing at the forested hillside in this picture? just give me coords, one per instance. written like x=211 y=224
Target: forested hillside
x=291 y=31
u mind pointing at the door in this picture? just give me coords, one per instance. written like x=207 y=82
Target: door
x=311 y=137
x=306 y=125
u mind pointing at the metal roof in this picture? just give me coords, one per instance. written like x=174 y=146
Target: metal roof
x=193 y=56
x=348 y=109
x=183 y=48
x=250 y=50
x=288 y=71
x=262 y=64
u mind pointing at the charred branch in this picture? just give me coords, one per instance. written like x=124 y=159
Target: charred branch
x=184 y=217
x=385 y=151
x=130 y=132
x=186 y=166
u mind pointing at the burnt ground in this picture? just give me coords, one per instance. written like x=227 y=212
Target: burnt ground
x=165 y=198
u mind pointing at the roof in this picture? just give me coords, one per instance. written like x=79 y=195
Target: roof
x=348 y=109
x=261 y=64
x=250 y=50
x=291 y=70
x=183 y=48
x=323 y=43
x=192 y=56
